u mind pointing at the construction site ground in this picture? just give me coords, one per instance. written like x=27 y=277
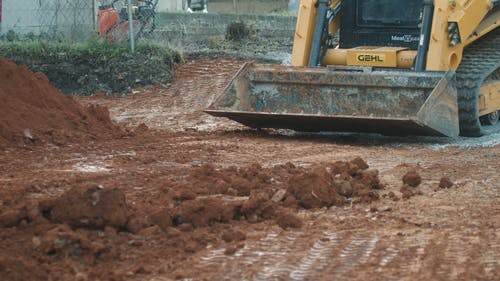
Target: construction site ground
x=173 y=154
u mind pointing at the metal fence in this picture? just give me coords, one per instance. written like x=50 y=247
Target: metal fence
x=54 y=19
x=76 y=20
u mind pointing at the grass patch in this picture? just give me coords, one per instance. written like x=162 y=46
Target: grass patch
x=94 y=66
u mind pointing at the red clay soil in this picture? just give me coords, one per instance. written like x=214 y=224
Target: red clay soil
x=87 y=224
x=183 y=203
x=35 y=112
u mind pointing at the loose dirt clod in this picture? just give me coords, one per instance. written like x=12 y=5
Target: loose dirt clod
x=203 y=212
x=234 y=235
x=358 y=161
x=287 y=219
x=445 y=182
x=407 y=191
x=313 y=189
x=412 y=178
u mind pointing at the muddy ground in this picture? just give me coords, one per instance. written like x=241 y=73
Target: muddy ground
x=180 y=195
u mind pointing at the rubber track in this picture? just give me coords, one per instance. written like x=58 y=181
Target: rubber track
x=480 y=60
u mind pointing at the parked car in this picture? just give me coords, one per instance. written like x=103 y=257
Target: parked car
x=197 y=6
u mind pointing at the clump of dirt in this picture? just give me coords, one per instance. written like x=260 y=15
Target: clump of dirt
x=286 y=219
x=234 y=235
x=358 y=161
x=203 y=212
x=445 y=182
x=63 y=241
x=412 y=178
x=34 y=112
x=207 y=180
x=264 y=193
x=15 y=268
x=163 y=219
x=407 y=191
x=392 y=196
x=89 y=207
x=314 y=189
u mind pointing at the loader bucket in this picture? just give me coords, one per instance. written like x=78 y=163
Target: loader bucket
x=346 y=99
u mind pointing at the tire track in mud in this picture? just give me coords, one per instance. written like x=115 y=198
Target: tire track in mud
x=333 y=255
x=316 y=259
x=180 y=104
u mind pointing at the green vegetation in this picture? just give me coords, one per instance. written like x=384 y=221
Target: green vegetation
x=248 y=6
x=94 y=66
x=238 y=30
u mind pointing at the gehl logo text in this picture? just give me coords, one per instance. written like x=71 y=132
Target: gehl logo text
x=370 y=58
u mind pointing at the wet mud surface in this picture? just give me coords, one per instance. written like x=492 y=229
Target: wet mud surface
x=180 y=195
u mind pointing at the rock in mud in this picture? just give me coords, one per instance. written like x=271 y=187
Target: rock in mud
x=279 y=195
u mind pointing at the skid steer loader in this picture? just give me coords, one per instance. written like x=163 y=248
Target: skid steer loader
x=396 y=67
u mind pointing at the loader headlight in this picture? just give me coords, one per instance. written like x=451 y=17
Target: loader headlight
x=453 y=34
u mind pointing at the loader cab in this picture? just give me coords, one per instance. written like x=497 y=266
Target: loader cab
x=380 y=23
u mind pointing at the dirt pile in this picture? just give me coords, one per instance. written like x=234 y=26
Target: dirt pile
x=91 y=225
x=34 y=112
x=211 y=195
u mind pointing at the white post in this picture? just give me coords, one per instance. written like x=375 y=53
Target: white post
x=131 y=27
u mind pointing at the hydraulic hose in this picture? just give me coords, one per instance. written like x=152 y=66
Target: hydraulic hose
x=425 y=34
x=314 y=57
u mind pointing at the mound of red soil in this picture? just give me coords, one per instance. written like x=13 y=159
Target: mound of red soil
x=264 y=193
x=33 y=111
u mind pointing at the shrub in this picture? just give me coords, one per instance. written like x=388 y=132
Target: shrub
x=237 y=31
